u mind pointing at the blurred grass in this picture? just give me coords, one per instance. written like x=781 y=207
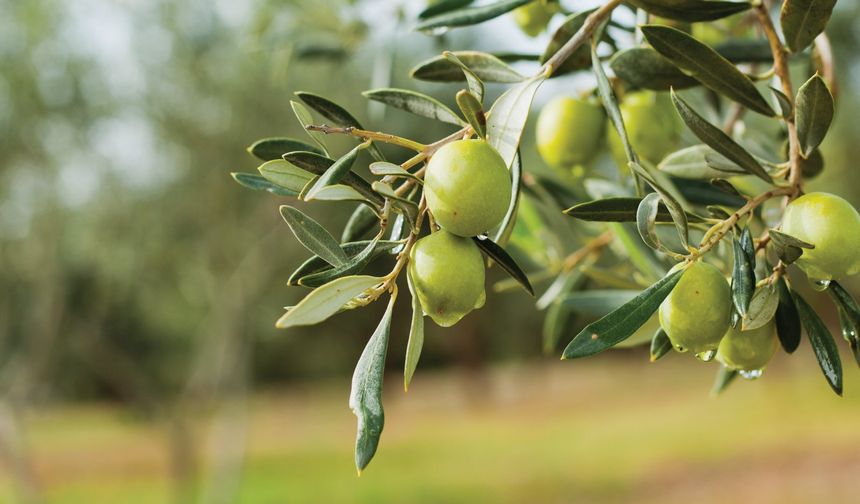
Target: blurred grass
x=610 y=429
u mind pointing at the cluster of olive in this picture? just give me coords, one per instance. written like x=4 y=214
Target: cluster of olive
x=467 y=187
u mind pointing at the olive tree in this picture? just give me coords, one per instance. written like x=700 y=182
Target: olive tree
x=685 y=241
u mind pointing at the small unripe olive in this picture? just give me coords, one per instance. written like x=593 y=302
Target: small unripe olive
x=833 y=226
x=748 y=350
x=468 y=187
x=570 y=131
x=447 y=272
x=697 y=312
x=533 y=17
x=653 y=127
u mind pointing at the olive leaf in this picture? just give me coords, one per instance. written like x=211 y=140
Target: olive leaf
x=691 y=10
x=619 y=209
x=386 y=169
x=743 y=271
x=473 y=112
x=822 y=343
x=725 y=377
x=698 y=162
x=623 y=322
x=646 y=220
x=581 y=58
x=849 y=316
x=268 y=149
x=610 y=103
x=645 y=68
x=717 y=139
x=336 y=114
x=313 y=236
x=785 y=105
x=660 y=345
x=508 y=115
x=787 y=318
x=500 y=256
x=362 y=220
x=476 y=86
x=469 y=15
x=436 y=8
x=285 y=175
x=415 y=103
x=336 y=172
x=506 y=227
x=815 y=109
x=325 y=301
x=316 y=264
x=416 y=334
x=487 y=67
x=787 y=248
x=305 y=119
x=352 y=266
x=762 y=308
x=365 y=398
x=318 y=165
x=402 y=203
x=706 y=66
x=259 y=183
x=803 y=20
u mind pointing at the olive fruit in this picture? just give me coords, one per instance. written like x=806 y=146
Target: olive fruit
x=653 y=127
x=833 y=226
x=570 y=131
x=748 y=350
x=447 y=272
x=696 y=314
x=468 y=187
x=533 y=17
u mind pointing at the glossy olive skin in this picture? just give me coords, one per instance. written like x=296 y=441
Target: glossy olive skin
x=748 y=350
x=468 y=187
x=447 y=272
x=652 y=125
x=697 y=312
x=533 y=17
x=570 y=131
x=833 y=226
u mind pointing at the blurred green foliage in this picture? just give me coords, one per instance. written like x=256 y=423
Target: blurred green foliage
x=131 y=265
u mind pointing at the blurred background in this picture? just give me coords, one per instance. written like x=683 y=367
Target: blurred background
x=139 y=285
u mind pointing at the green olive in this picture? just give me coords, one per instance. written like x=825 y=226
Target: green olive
x=748 y=350
x=653 y=127
x=447 y=272
x=533 y=17
x=570 y=131
x=696 y=313
x=468 y=187
x=833 y=226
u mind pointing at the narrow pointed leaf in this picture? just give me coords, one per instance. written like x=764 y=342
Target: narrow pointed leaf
x=815 y=109
x=352 y=266
x=285 y=175
x=849 y=316
x=318 y=165
x=360 y=222
x=785 y=106
x=498 y=255
x=660 y=345
x=646 y=220
x=476 y=86
x=487 y=67
x=384 y=169
x=623 y=322
x=313 y=236
x=822 y=343
x=316 y=264
x=327 y=300
x=305 y=119
x=610 y=103
x=695 y=163
x=691 y=10
x=416 y=335
x=365 y=398
x=762 y=309
x=803 y=20
x=336 y=114
x=581 y=58
x=725 y=377
x=718 y=140
x=415 y=103
x=470 y=15
x=506 y=227
x=645 y=68
x=508 y=116
x=268 y=149
x=443 y=6
x=260 y=183
x=743 y=275
x=787 y=318
x=336 y=172
x=706 y=66
x=618 y=210
x=473 y=112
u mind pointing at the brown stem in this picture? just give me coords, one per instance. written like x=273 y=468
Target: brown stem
x=592 y=22
x=369 y=135
x=589 y=248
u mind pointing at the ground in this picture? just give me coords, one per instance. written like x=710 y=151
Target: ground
x=609 y=429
